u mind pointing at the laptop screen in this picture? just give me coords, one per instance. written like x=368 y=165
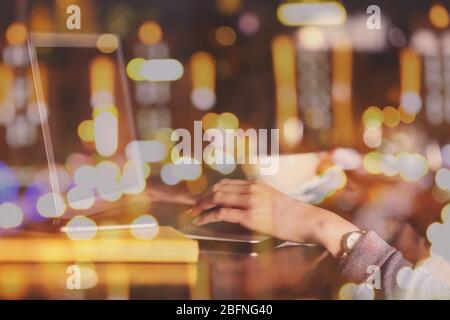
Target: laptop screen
x=87 y=123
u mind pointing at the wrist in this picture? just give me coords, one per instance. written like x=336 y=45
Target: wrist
x=330 y=229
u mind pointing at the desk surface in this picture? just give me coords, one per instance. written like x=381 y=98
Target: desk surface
x=296 y=272
x=290 y=273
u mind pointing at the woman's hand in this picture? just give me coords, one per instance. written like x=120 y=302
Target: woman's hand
x=262 y=208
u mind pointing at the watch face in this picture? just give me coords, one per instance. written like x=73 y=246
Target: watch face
x=352 y=239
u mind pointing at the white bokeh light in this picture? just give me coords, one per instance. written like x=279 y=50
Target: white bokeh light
x=187 y=168
x=203 y=98
x=51 y=205
x=442 y=179
x=411 y=102
x=80 y=198
x=145 y=233
x=168 y=175
x=146 y=151
x=81 y=228
x=85 y=176
x=11 y=216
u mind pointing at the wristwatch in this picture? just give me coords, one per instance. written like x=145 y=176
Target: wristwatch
x=348 y=242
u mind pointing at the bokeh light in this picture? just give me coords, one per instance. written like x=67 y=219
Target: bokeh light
x=372 y=162
x=227 y=120
x=81 y=228
x=106 y=133
x=412 y=167
x=442 y=179
x=197 y=186
x=16 y=34
x=107 y=43
x=391 y=117
x=11 y=216
x=203 y=98
x=161 y=70
x=147 y=233
x=411 y=102
x=373 y=137
x=203 y=77
x=134 y=69
x=146 y=151
x=187 y=168
x=80 y=198
x=249 y=23
x=439 y=16
x=85 y=176
x=352 y=291
x=225 y=36
x=373 y=117
x=168 y=174
x=445 y=213
x=86 y=131
x=9 y=183
x=228 y=7
x=150 y=32
x=311 y=13
x=209 y=120
x=51 y=205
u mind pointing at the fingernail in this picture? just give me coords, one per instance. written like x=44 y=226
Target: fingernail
x=188 y=212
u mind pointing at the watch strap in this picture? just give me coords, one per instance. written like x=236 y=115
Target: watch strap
x=345 y=248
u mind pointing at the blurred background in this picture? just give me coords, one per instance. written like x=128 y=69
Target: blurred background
x=376 y=100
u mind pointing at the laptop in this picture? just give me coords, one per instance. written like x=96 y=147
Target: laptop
x=87 y=123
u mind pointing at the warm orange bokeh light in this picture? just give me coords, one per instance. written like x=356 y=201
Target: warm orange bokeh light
x=410 y=70
x=6 y=81
x=150 y=32
x=41 y=19
x=203 y=70
x=342 y=58
x=283 y=57
x=16 y=34
x=228 y=7
x=406 y=117
x=439 y=16
x=391 y=117
x=102 y=74
x=225 y=36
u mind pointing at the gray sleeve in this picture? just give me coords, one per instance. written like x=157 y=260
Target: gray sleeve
x=371 y=250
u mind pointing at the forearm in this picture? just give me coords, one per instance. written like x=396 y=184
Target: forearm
x=329 y=229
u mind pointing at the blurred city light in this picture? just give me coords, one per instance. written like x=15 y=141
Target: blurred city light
x=107 y=43
x=161 y=70
x=203 y=77
x=283 y=52
x=312 y=13
x=439 y=16
x=150 y=32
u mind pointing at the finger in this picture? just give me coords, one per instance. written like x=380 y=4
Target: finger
x=230 y=200
x=228 y=185
x=223 y=199
x=202 y=206
x=221 y=214
x=206 y=200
